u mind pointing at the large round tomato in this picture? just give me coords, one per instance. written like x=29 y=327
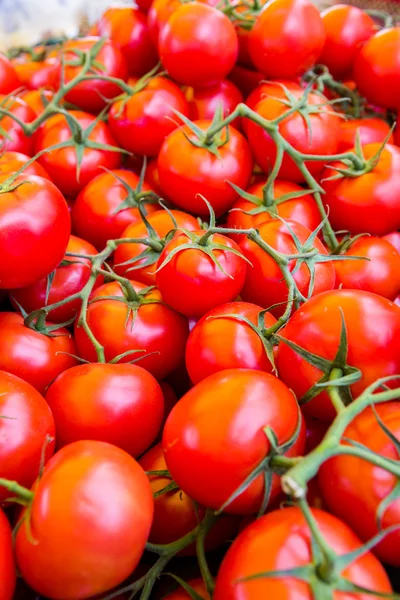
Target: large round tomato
x=187 y=171
x=88 y=522
x=370 y=130
x=35 y=244
x=210 y=458
x=13 y=137
x=7 y=566
x=9 y=80
x=282 y=540
x=373 y=340
x=26 y=432
x=10 y=162
x=204 y=102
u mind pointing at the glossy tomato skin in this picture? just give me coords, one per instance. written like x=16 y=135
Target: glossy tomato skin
x=218 y=342
x=194 y=35
x=353 y=488
x=88 y=541
x=9 y=80
x=192 y=283
x=69 y=279
x=41 y=241
x=33 y=356
x=26 y=428
x=155 y=328
x=35 y=74
x=10 y=162
x=287 y=38
x=245 y=79
x=119 y=399
x=285 y=533
x=34 y=99
x=162 y=223
x=196 y=584
x=370 y=130
x=372 y=325
x=346 y=28
x=264 y=283
x=16 y=140
x=394 y=239
x=187 y=171
x=369 y=203
x=7 y=566
x=143 y=122
x=203 y=102
x=210 y=458
x=61 y=164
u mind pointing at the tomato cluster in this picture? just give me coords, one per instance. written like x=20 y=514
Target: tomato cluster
x=200 y=306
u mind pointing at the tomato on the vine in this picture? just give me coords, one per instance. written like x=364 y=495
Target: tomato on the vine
x=370 y=130
x=9 y=80
x=35 y=74
x=7 y=565
x=12 y=134
x=37 y=99
x=10 y=162
x=204 y=102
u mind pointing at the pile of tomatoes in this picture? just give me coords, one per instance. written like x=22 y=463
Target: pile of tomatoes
x=200 y=306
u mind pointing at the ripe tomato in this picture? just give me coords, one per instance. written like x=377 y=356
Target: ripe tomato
x=162 y=223
x=203 y=102
x=159 y=13
x=35 y=74
x=320 y=137
x=143 y=122
x=62 y=164
x=191 y=282
x=36 y=243
x=210 y=458
x=26 y=430
x=218 y=342
x=245 y=79
x=151 y=327
x=33 y=356
x=14 y=138
x=394 y=239
x=370 y=130
x=119 y=399
x=353 y=488
x=181 y=594
x=7 y=566
x=186 y=171
x=376 y=68
x=34 y=99
x=9 y=80
x=346 y=28
x=282 y=540
x=287 y=38
x=88 y=541
x=70 y=278
x=368 y=203
x=195 y=35
x=271 y=88
x=372 y=326
x=13 y=161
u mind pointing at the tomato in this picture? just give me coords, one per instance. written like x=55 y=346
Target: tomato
x=88 y=541
x=13 y=161
x=245 y=79
x=192 y=282
x=7 y=566
x=210 y=458
x=282 y=540
x=143 y=122
x=245 y=17
x=376 y=68
x=14 y=138
x=394 y=239
x=62 y=164
x=195 y=584
x=34 y=99
x=264 y=283
x=127 y=28
x=321 y=136
x=70 y=278
x=9 y=80
x=271 y=88
x=121 y=326
x=287 y=38
x=219 y=342
x=346 y=28
x=37 y=241
x=379 y=274
x=27 y=432
x=159 y=13
x=370 y=130
x=162 y=223
x=369 y=203
x=187 y=171
x=354 y=488
x=204 y=102
x=35 y=74
x=195 y=35
x=372 y=326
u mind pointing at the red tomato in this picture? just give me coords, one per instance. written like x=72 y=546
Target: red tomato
x=376 y=68
x=195 y=34
x=245 y=79
x=70 y=277
x=346 y=28
x=282 y=540
x=370 y=130
x=143 y=122
x=368 y=203
x=119 y=399
x=271 y=88
x=159 y=13
x=14 y=138
x=13 y=161
x=210 y=458
x=181 y=594
x=7 y=566
x=218 y=342
x=88 y=541
x=121 y=326
x=394 y=239
x=35 y=74
x=204 y=102
x=34 y=99
x=186 y=171
x=191 y=282
x=9 y=80
x=62 y=164
x=353 y=488
x=315 y=433
x=373 y=339
x=36 y=243
x=26 y=430
x=287 y=38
